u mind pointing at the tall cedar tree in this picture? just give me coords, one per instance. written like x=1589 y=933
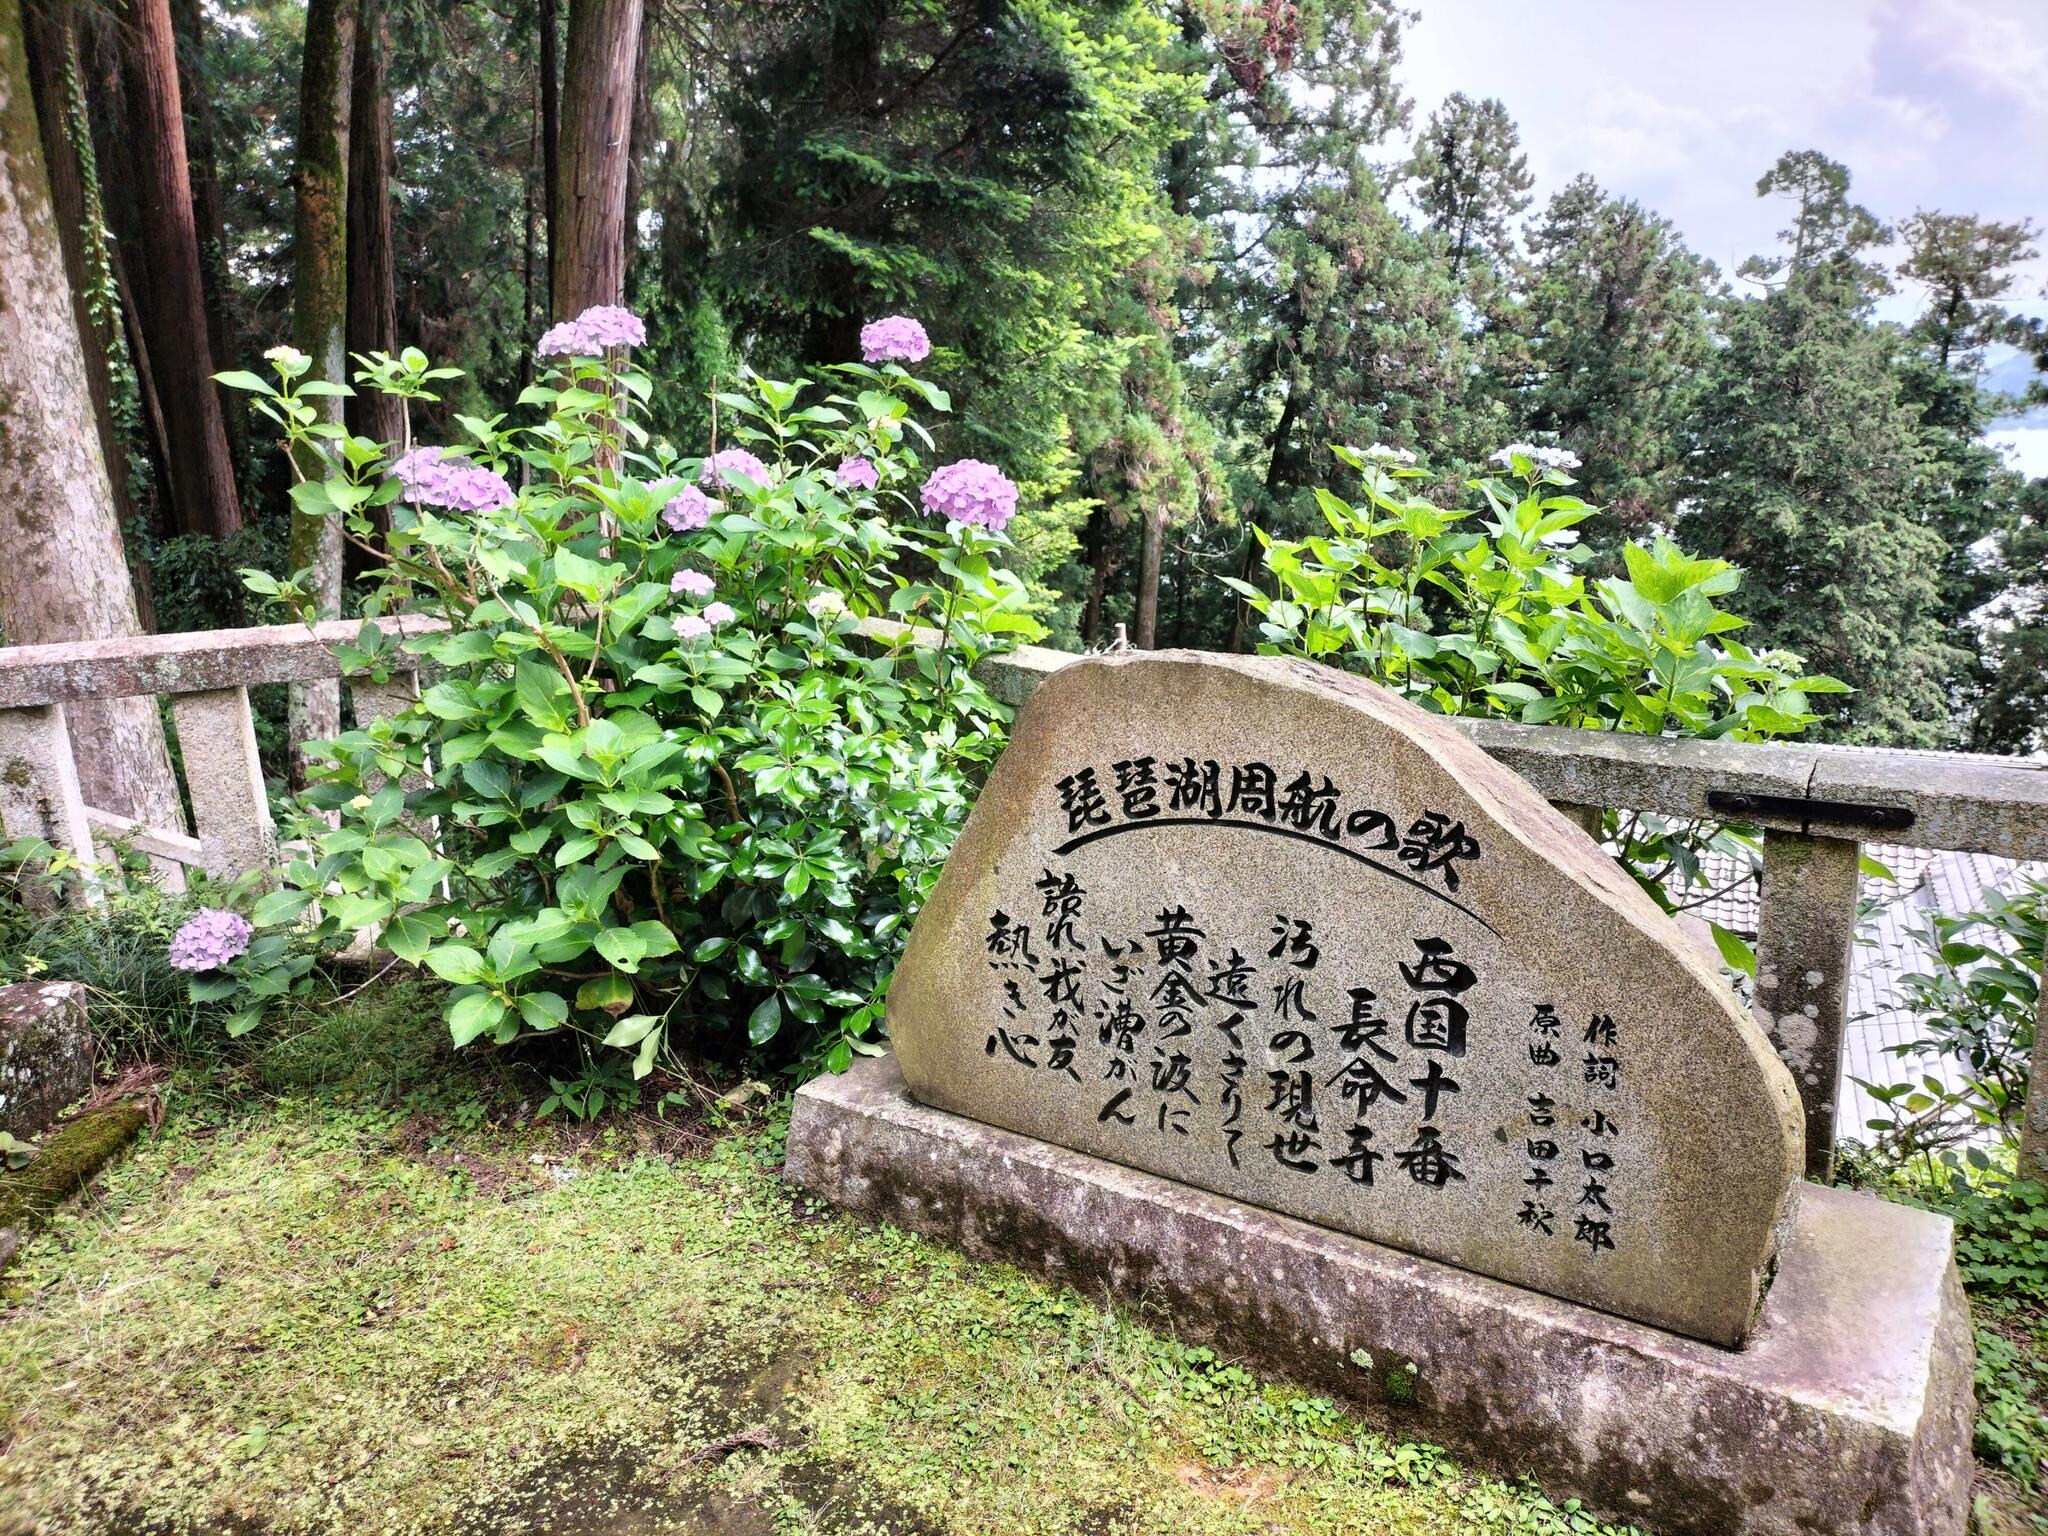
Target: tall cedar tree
x=372 y=279
x=164 y=273
x=53 y=69
x=1470 y=178
x=64 y=577
x=1805 y=467
x=209 y=212
x=1294 y=95
x=599 y=84
x=320 y=316
x=1965 y=265
x=1615 y=317
x=2011 y=714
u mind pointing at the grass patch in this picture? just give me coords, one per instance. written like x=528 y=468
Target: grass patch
x=406 y=1308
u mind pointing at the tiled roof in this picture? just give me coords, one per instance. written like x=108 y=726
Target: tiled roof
x=1889 y=947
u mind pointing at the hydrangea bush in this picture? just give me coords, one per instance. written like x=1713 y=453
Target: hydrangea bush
x=1490 y=612
x=668 y=789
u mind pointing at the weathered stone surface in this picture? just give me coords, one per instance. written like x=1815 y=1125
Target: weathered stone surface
x=1804 y=950
x=1601 y=1053
x=230 y=802
x=45 y=1053
x=185 y=663
x=1848 y=1413
x=39 y=793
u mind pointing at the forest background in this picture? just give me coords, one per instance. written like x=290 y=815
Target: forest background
x=1168 y=254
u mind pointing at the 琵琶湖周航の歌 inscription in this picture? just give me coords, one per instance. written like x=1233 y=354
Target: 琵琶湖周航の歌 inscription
x=1273 y=932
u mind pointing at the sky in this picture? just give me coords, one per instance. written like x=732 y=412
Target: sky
x=1682 y=105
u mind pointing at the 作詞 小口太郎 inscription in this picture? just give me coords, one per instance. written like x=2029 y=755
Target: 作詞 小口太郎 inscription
x=1271 y=931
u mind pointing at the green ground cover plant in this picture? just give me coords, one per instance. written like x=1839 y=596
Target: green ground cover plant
x=327 y=1308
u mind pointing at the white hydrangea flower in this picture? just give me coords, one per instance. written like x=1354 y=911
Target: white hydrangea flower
x=291 y=357
x=825 y=603
x=1547 y=458
x=1392 y=455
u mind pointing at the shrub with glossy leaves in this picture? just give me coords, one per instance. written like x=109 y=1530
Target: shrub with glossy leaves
x=664 y=790
x=1489 y=612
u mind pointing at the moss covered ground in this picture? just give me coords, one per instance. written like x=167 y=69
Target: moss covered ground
x=407 y=1308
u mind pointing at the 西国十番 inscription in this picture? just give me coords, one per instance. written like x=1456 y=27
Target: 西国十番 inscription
x=1281 y=936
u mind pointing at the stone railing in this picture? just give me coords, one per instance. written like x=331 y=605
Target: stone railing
x=1815 y=804
x=207 y=678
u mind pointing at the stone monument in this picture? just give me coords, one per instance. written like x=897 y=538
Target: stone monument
x=1258 y=929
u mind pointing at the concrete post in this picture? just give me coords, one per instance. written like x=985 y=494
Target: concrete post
x=39 y=795
x=2033 y=1162
x=230 y=806
x=1806 y=932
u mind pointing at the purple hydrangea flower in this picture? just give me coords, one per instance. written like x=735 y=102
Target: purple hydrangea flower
x=696 y=583
x=598 y=328
x=895 y=339
x=722 y=467
x=210 y=938
x=719 y=613
x=690 y=509
x=691 y=627
x=435 y=477
x=857 y=475
x=969 y=491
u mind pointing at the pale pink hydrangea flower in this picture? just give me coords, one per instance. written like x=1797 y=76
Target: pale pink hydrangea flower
x=696 y=583
x=691 y=627
x=719 y=613
x=598 y=328
x=725 y=466
x=210 y=938
x=437 y=477
x=858 y=474
x=894 y=339
x=691 y=509
x=969 y=491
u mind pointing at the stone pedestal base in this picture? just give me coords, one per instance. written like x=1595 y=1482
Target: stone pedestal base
x=1849 y=1411
x=45 y=1053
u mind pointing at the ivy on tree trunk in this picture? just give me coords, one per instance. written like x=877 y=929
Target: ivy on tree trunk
x=64 y=577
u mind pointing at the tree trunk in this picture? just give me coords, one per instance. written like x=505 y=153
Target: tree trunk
x=640 y=144
x=52 y=56
x=1276 y=451
x=209 y=212
x=589 y=262
x=550 y=129
x=172 y=305
x=320 y=318
x=372 y=279
x=1152 y=538
x=1095 y=548
x=529 y=247
x=64 y=577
